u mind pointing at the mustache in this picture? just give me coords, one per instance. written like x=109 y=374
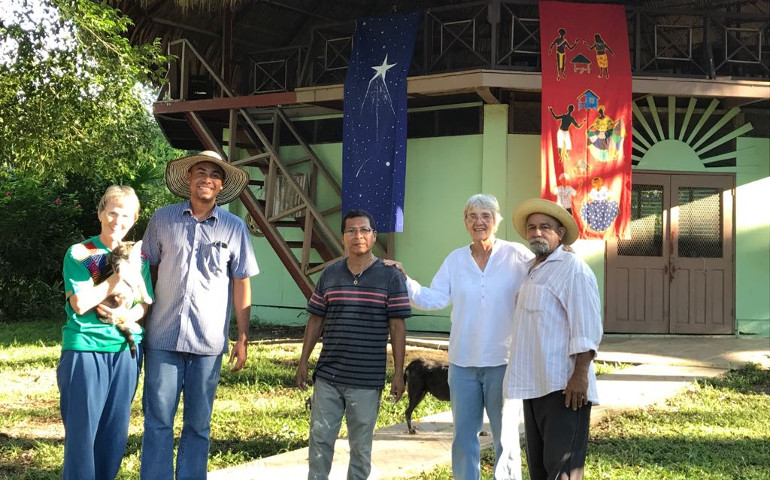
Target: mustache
x=539 y=246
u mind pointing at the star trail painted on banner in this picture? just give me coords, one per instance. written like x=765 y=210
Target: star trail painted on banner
x=374 y=132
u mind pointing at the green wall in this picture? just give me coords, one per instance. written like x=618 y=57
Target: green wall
x=442 y=172
x=752 y=242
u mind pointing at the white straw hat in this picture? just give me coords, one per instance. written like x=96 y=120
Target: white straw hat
x=233 y=183
x=546 y=207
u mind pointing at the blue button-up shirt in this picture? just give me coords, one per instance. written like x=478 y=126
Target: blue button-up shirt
x=196 y=262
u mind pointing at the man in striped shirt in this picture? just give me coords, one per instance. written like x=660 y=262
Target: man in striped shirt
x=357 y=302
x=557 y=328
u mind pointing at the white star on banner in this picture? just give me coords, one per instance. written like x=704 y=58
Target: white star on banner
x=380 y=70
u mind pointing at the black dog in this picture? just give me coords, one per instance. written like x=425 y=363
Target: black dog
x=421 y=377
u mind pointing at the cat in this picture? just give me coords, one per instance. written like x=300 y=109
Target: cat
x=126 y=261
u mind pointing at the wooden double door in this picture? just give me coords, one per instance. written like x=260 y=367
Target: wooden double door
x=676 y=272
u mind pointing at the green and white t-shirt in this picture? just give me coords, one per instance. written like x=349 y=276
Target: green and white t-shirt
x=84 y=265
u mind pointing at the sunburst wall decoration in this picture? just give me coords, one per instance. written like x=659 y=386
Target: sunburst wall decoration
x=669 y=135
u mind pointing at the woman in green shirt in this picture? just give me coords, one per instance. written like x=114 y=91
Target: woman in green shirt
x=97 y=375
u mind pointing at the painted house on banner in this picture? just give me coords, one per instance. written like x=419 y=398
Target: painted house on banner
x=588 y=100
x=262 y=82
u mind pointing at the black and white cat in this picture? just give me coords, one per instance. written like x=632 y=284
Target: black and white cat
x=126 y=261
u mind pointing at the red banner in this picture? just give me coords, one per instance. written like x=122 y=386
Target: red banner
x=586 y=114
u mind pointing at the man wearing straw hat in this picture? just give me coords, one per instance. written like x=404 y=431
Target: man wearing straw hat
x=201 y=259
x=557 y=328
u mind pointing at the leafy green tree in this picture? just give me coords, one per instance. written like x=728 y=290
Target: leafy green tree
x=73 y=120
x=69 y=90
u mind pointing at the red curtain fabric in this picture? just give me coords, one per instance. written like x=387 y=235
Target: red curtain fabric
x=586 y=114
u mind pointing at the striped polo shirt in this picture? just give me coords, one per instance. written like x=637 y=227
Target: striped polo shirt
x=355 y=332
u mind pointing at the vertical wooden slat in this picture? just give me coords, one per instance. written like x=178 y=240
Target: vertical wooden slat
x=671 y=116
x=232 y=136
x=184 y=80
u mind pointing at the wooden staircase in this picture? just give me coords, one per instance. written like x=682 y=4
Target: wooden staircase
x=282 y=194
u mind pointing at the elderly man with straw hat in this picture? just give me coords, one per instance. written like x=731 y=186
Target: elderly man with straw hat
x=557 y=328
x=201 y=259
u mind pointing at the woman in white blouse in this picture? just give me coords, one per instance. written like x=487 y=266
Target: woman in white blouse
x=479 y=281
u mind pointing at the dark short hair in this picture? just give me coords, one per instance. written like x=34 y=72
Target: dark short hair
x=355 y=213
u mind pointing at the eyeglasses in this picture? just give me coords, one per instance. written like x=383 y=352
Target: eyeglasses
x=543 y=227
x=484 y=217
x=355 y=231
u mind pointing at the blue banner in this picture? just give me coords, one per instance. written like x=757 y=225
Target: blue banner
x=374 y=140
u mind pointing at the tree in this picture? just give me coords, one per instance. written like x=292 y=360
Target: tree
x=72 y=121
x=70 y=90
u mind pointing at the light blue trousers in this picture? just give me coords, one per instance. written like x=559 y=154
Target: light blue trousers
x=473 y=390
x=360 y=407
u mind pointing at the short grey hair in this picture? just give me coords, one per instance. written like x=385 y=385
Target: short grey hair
x=119 y=191
x=484 y=201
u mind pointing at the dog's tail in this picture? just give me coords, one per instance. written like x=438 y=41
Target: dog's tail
x=412 y=365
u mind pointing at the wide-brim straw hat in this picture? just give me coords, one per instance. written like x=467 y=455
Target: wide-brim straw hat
x=233 y=184
x=546 y=207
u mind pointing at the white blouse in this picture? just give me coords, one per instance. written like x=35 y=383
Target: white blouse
x=482 y=301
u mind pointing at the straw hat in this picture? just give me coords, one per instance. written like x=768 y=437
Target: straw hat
x=232 y=185
x=546 y=207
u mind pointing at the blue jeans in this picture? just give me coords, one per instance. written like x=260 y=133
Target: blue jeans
x=474 y=389
x=96 y=391
x=167 y=374
x=330 y=402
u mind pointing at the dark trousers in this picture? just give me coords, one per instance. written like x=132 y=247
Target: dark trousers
x=557 y=437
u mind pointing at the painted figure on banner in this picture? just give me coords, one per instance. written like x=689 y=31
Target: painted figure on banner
x=601 y=48
x=586 y=115
x=561 y=44
x=565 y=192
x=563 y=139
x=605 y=137
x=599 y=211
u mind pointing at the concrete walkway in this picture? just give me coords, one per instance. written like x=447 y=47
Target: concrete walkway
x=663 y=366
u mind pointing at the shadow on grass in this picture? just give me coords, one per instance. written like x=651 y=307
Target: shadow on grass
x=726 y=457
x=255 y=448
x=45 y=332
x=17 y=458
x=270 y=374
x=43 y=360
x=750 y=378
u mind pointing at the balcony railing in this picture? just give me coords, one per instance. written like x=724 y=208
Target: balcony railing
x=505 y=35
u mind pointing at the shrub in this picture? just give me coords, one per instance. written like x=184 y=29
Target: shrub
x=37 y=225
x=39 y=221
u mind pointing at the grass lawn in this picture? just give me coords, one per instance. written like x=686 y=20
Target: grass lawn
x=258 y=411
x=716 y=429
